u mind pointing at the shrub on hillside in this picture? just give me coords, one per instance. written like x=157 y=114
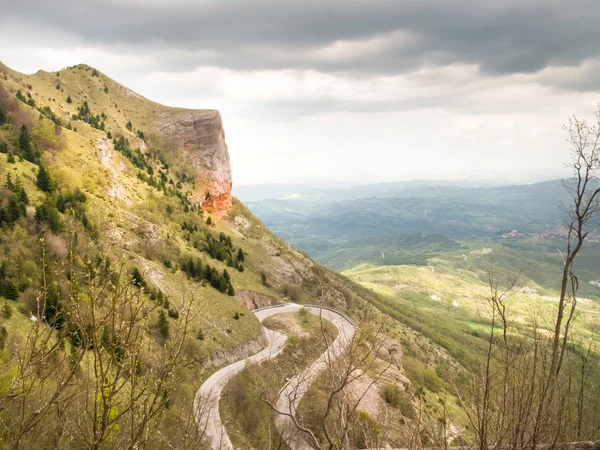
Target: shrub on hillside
x=163 y=325
x=137 y=278
x=47 y=213
x=7 y=311
x=26 y=149
x=44 y=180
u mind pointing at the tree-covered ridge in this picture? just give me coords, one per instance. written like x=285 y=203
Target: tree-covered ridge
x=70 y=285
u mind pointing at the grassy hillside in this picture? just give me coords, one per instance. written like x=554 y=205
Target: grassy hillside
x=107 y=255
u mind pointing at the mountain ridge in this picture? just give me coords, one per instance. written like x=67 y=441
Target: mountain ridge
x=90 y=186
x=197 y=134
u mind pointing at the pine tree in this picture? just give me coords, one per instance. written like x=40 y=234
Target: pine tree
x=18 y=184
x=240 y=255
x=69 y=100
x=3 y=336
x=44 y=180
x=48 y=214
x=223 y=285
x=163 y=324
x=9 y=290
x=13 y=210
x=23 y=198
x=230 y=290
x=25 y=144
x=8 y=184
x=207 y=273
x=3 y=118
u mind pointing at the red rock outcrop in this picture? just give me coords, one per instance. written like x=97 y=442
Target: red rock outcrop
x=200 y=134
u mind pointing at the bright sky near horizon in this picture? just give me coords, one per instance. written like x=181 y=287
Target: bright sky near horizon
x=377 y=90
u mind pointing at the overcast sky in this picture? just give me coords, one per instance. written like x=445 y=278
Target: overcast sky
x=372 y=90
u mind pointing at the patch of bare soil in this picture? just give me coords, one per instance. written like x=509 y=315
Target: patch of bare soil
x=285 y=323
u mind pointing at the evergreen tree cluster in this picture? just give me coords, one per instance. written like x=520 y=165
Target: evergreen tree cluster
x=109 y=341
x=16 y=203
x=47 y=212
x=222 y=250
x=87 y=116
x=8 y=288
x=135 y=156
x=198 y=271
x=74 y=203
x=26 y=146
x=66 y=203
x=184 y=178
x=155 y=294
x=146 y=174
x=44 y=180
x=28 y=100
x=189 y=226
x=46 y=111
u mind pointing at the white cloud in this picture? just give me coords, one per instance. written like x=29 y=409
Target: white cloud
x=448 y=121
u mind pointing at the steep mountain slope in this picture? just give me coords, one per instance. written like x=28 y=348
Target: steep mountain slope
x=122 y=245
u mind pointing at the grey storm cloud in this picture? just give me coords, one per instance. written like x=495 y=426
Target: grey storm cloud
x=392 y=36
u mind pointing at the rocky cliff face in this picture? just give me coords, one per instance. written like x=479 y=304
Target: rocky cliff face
x=201 y=135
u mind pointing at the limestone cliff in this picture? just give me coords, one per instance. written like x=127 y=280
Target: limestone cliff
x=200 y=134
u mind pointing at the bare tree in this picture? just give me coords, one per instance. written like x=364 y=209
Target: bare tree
x=90 y=373
x=531 y=388
x=584 y=190
x=336 y=422
x=42 y=376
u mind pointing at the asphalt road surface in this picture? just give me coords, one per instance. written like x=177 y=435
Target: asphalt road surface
x=206 y=402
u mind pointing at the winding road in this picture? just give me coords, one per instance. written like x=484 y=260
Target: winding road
x=206 y=401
